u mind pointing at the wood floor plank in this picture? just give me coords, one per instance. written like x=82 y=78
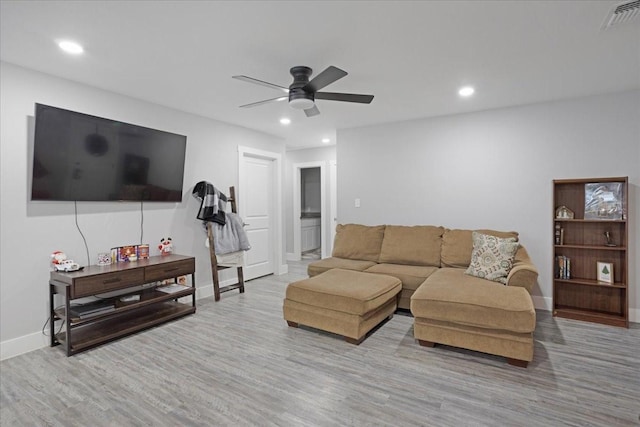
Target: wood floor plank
x=236 y=362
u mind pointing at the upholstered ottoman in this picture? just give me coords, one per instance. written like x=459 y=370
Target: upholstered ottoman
x=455 y=309
x=345 y=302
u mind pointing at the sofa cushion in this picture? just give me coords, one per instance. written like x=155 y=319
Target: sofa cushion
x=492 y=257
x=411 y=276
x=417 y=245
x=355 y=241
x=449 y=295
x=457 y=246
x=319 y=267
x=345 y=291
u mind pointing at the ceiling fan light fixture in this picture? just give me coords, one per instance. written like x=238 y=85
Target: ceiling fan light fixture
x=303 y=92
x=301 y=103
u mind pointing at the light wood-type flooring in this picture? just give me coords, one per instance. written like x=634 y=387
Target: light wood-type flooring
x=236 y=363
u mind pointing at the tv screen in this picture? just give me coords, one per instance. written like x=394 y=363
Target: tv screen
x=86 y=158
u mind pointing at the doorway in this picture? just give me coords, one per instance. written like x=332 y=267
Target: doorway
x=310 y=214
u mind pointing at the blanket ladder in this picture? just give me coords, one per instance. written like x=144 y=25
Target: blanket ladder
x=215 y=268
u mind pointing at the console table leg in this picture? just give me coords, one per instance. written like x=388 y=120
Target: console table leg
x=67 y=322
x=52 y=329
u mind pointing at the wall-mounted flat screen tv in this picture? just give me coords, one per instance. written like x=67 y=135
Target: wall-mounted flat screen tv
x=86 y=158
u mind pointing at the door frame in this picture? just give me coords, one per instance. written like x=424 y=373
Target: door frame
x=324 y=224
x=333 y=194
x=276 y=158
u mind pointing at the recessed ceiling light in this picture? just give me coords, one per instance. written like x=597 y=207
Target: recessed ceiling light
x=70 y=47
x=326 y=140
x=466 y=91
x=285 y=121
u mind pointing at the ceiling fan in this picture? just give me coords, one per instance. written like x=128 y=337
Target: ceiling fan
x=302 y=93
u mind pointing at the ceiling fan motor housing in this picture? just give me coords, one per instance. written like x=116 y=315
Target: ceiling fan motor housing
x=298 y=97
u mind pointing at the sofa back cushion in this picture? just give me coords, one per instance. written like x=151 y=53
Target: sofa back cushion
x=417 y=245
x=355 y=241
x=457 y=246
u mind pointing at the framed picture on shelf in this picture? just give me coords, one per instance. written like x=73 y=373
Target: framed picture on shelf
x=605 y=272
x=603 y=200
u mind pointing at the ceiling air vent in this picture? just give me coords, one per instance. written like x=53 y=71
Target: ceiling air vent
x=624 y=12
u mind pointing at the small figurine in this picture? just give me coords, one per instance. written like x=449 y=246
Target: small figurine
x=165 y=246
x=607 y=235
x=57 y=257
x=61 y=263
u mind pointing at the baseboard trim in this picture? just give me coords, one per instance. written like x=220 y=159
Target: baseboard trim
x=542 y=303
x=293 y=257
x=284 y=269
x=23 y=344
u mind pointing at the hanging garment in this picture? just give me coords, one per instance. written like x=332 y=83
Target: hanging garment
x=213 y=202
x=230 y=237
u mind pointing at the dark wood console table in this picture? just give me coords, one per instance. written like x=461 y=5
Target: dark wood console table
x=152 y=308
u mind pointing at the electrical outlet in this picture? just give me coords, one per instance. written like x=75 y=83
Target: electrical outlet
x=357 y=203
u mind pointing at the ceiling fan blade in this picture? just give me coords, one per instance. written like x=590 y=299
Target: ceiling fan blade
x=261 y=83
x=328 y=76
x=345 y=97
x=313 y=111
x=266 y=101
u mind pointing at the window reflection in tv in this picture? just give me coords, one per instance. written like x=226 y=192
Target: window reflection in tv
x=87 y=158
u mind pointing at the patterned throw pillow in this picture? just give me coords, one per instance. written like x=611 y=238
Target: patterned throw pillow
x=492 y=257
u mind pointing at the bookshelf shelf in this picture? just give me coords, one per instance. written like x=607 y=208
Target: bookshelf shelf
x=592 y=247
x=589 y=282
x=584 y=243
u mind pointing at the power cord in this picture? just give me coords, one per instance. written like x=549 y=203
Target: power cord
x=141 y=221
x=75 y=205
x=44 y=327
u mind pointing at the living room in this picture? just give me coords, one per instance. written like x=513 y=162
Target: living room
x=460 y=166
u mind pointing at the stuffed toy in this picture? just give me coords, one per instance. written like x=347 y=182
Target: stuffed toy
x=165 y=246
x=57 y=257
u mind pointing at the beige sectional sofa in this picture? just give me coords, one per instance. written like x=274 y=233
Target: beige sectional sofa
x=449 y=306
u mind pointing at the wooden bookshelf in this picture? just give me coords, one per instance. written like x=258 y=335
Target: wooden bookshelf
x=582 y=296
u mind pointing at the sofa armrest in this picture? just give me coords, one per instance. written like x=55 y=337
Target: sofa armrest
x=523 y=273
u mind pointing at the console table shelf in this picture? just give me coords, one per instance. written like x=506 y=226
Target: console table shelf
x=135 y=278
x=111 y=327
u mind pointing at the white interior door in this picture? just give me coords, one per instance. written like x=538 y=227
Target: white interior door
x=256 y=208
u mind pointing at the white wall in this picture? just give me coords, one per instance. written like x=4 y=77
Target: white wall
x=493 y=169
x=321 y=154
x=32 y=230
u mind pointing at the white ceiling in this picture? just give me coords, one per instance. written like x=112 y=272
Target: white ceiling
x=412 y=56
